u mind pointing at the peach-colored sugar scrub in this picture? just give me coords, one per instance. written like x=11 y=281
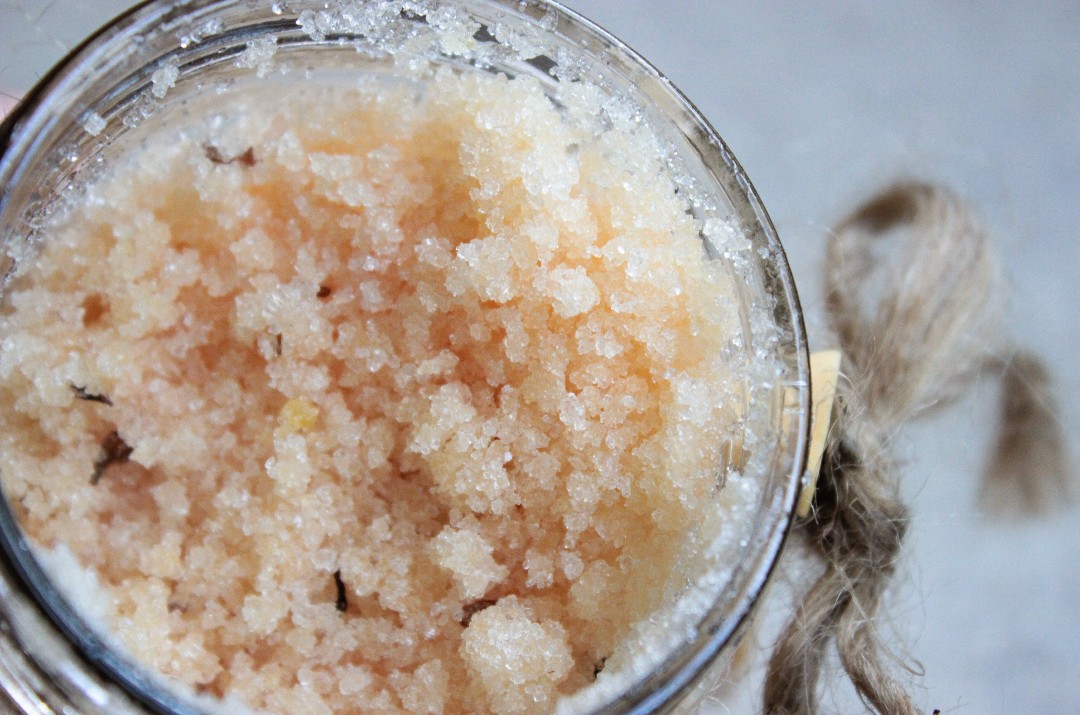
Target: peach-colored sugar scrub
x=401 y=396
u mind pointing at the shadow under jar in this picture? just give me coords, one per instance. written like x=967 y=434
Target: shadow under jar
x=398 y=355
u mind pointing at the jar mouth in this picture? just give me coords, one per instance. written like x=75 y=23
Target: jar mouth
x=31 y=131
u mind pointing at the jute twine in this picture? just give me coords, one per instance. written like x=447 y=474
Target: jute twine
x=914 y=295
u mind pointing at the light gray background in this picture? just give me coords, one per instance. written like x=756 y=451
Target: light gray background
x=823 y=104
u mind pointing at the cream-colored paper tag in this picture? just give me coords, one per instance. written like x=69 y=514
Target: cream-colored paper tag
x=824 y=372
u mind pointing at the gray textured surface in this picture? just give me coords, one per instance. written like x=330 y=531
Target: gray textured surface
x=822 y=105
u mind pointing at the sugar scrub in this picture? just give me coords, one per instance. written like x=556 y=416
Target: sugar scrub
x=389 y=397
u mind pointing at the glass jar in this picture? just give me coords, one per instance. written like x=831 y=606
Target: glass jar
x=83 y=112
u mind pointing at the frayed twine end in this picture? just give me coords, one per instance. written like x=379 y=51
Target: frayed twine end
x=1029 y=472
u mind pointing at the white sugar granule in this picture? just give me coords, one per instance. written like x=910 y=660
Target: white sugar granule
x=164 y=79
x=258 y=55
x=93 y=124
x=408 y=395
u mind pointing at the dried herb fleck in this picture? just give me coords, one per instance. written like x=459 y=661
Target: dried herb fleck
x=324 y=292
x=342 y=603
x=277 y=344
x=247 y=158
x=114 y=450
x=82 y=394
x=471 y=609
x=598 y=666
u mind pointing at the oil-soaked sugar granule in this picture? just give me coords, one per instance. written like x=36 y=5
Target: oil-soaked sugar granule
x=403 y=397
